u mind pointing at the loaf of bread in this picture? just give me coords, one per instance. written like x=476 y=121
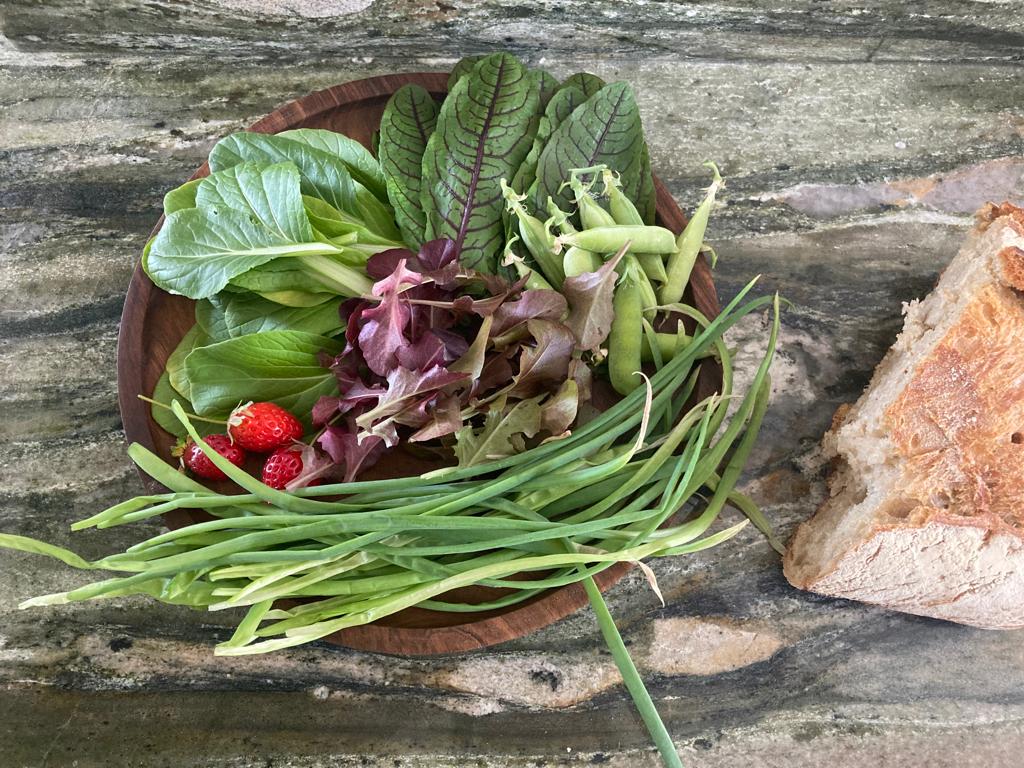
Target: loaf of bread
x=926 y=507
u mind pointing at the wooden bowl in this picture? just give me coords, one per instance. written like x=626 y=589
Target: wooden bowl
x=153 y=322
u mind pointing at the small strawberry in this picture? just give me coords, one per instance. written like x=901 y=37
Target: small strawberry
x=281 y=467
x=262 y=427
x=196 y=461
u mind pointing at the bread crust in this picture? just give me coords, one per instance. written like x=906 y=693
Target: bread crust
x=948 y=541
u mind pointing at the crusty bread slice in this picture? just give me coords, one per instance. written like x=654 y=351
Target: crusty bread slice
x=926 y=507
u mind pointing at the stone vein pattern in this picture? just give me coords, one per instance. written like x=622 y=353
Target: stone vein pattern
x=856 y=139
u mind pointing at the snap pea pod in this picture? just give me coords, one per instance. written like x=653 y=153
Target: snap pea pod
x=536 y=237
x=559 y=218
x=591 y=213
x=684 y=255
x=668 y=345
x=576 y=261
x=621 y=207
x=654 y=266
x=534 y=279
x=626 y=337
x=642 y=239
x=649 y=297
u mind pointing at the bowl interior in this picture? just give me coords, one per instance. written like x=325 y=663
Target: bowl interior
x=154 y=322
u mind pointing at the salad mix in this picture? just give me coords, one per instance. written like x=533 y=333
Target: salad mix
x=487 y=285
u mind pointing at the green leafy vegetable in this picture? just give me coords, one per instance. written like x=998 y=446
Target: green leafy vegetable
x=175 y=366
x=227 y=316
x=254 y=216
x=484 y=131
x=181 y=197
x=503 y=433
x=323 y=174
x=360 y=163
x=164 y=393
x=604 y=130
x=408 y=122
x=279 y=366
x=284 y=277
x=462 y=68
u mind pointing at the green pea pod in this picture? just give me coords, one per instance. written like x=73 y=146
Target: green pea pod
x=668 y=345
x=534 y=280
x=611 y=239
x=576 y=261
x=536 y=237
x=560 y=218
x=621 y=207
x=625 y=340
x=683 y=257
x=650 y=298
x=654 y=266
x=591 y=213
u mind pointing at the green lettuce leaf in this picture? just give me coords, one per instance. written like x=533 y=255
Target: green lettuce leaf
x=504 y=433
x=321 y=173
x=252 y=217
x=280 y=366
x=363 y=167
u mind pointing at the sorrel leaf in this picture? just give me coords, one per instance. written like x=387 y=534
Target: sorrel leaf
x=584 y=81
x=462 y=68
x=605 y=129
x=560 y=106
x=407 y=124
x=484 y=131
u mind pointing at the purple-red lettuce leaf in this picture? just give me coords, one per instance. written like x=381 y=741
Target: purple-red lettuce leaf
x=426 y=352
x=559 y=411
x=314 y=467
x=344 y=447
x=445 y=419
x=590 y=304
x=540 y=304
x=405 y=389
x=546 y=363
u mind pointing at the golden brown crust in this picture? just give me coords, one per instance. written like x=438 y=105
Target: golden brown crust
x=991 y=211
x=1011 y=265
x=959 y=423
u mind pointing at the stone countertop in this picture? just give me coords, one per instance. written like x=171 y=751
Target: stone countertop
x=857 y=139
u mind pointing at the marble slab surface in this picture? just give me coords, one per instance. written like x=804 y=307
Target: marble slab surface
x=857 y=140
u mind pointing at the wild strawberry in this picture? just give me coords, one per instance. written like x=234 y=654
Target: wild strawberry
x=281 y=467
x=196 y=461
x=262 y=427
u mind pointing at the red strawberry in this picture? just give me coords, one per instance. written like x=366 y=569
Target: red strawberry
x=193 y=457
x=262 y=427
x=281 y=467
